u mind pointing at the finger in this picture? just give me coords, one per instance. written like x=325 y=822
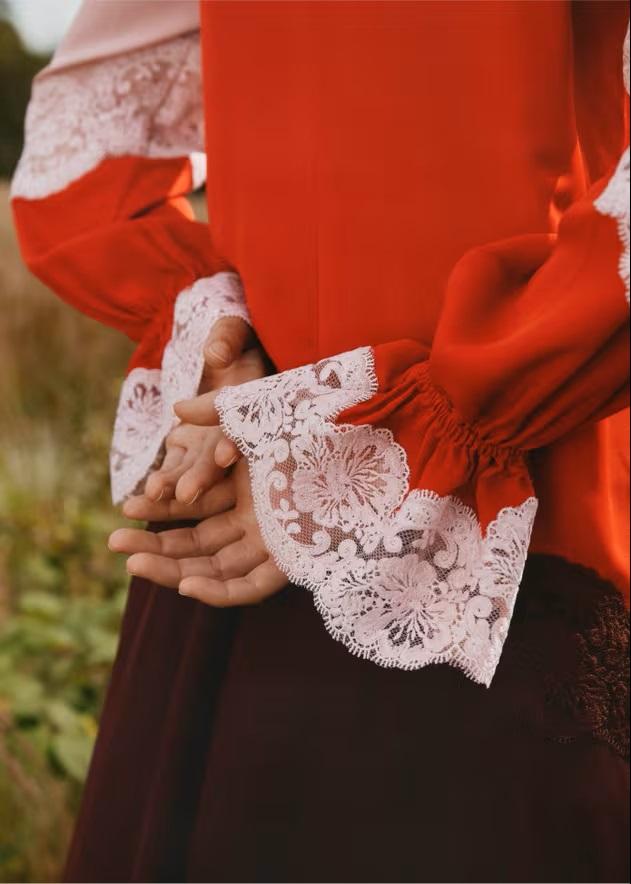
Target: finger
x=168 y=571
x=199 y=477
x=170 y=479
x=188 y=437
x=174 y=455
x=177 y=543
x=206 y=538
x=157 y=487
x=218 y=499
x=263 y=582
x=218 y=531
x=226 y=453
x=133 y=540
x=159 y=569
x=239 y=559
x=247 y=367
x=227 y=339
x=200 y=411
x=159 y=482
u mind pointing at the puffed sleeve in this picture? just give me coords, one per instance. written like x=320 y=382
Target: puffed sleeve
x=113 y=143
x=394 y=482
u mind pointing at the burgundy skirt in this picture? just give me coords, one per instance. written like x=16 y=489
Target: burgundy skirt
x=247 y=745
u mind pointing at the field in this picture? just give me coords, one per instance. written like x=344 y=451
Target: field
x=61 y=591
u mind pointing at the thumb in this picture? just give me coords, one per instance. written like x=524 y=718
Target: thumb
x=226 y=341
x=200 y=411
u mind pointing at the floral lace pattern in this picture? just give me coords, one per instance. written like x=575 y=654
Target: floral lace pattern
x=614 y=200
x=145 y=410
x=146 y=103
x=403 y=578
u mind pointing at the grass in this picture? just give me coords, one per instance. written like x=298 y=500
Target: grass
x=61 y=591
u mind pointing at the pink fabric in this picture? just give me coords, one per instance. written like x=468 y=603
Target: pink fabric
x=103 y=28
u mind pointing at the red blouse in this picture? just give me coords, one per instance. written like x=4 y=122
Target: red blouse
x=426 y=205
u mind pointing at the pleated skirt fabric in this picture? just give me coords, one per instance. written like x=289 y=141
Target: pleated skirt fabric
x=247 y=745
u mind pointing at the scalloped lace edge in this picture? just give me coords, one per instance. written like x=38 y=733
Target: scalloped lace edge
x=614 y=202
x=403 y=577
x=145 y=411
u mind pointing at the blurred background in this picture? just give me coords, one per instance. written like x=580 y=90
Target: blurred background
x=61 y=591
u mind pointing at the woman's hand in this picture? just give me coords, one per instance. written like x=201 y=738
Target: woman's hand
x=231 y=355
x=196 y=456
x=194 y=461
x=222 y=561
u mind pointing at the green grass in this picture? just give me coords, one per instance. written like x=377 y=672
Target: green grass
x=61 y=591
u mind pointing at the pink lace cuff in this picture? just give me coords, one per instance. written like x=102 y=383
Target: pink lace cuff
x=402 y=574
x=145 y=411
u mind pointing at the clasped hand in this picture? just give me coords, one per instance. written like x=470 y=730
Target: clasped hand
x=221 y=559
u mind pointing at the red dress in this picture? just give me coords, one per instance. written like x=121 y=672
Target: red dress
x=422 y=208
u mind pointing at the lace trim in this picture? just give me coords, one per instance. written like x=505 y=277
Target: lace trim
x=614 y=202
x=146 y=103
x=402 y=577
x=145 y=410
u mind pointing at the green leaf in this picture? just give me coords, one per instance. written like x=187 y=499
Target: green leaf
x=72 y=751
x=102 y=646
x=23 y=693
x=61 y=716
x=41 y=604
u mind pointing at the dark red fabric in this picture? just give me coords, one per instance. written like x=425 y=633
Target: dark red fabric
x=249 y=746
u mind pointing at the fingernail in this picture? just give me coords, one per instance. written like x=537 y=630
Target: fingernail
x=183 y=591
x=194 y=499
x=161 y=495
x=233 y=461
x=220 y=350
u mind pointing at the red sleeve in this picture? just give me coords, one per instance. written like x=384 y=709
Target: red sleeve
x=114 y=142
x=394 y=481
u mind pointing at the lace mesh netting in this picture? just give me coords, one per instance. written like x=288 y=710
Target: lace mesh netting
x=403 y=577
